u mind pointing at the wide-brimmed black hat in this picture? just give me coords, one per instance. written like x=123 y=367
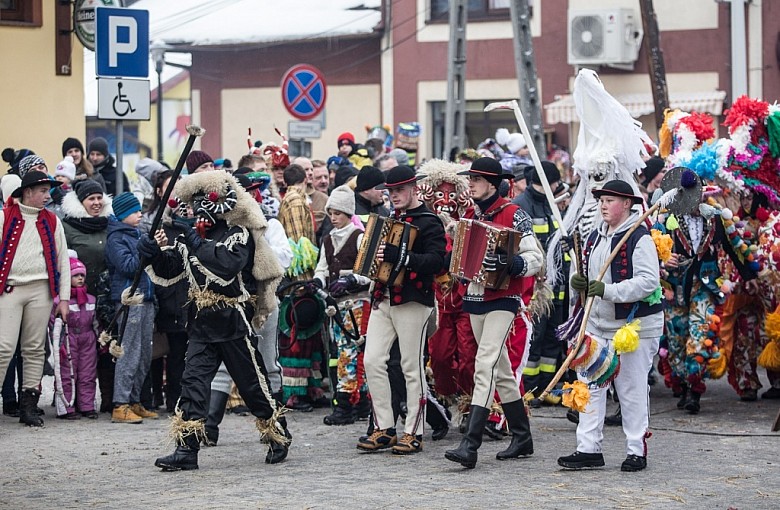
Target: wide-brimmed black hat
x=304 y=313
x=487 y=167
x=400 y=175
x=34 y=178
x=617 y=188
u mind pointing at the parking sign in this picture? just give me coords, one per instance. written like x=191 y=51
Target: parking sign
x=121 y=42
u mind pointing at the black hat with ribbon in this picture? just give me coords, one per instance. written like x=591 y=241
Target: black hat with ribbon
x=32 y=179
x=617 y=188
x=400 y=175
x=489 y=169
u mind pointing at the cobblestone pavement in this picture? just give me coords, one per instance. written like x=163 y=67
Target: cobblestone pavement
x=726 y=457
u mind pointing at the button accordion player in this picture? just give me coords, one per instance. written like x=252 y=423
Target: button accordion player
x=381 y=230
x=475 y=239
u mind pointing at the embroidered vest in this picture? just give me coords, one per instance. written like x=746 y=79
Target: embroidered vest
x=622 y=269
x=344 y=259
x=13 y=226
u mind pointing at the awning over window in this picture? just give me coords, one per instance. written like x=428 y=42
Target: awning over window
x=562 y=110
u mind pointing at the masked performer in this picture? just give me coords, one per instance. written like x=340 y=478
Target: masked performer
x=233 y=274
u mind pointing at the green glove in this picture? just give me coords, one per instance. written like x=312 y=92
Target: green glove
x=579 y=282
x=595 y=288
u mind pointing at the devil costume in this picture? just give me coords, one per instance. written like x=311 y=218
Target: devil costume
x=232 y=274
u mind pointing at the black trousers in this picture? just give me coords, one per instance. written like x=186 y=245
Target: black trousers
x=174 y=367
x=203 y=360
x=545 y=349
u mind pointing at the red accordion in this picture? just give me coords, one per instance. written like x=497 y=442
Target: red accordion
x=475 y=239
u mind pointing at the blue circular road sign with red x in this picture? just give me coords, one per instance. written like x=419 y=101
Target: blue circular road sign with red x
x=303 y=91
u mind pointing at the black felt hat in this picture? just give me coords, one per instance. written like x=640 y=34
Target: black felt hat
x=400 y=175
x=617 y=188
x=487 y=168
x=34 y=178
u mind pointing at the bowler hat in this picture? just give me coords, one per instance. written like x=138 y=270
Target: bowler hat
x=487 y=168
x=617 y=188
x=400 y=175
x=34 y=178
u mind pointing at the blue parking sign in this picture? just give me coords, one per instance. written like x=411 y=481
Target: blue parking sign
x=121 y=42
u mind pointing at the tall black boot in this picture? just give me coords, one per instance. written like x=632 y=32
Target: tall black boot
x=343 y=414
x=217 y=406
x=28 y=408
x=106 y=384
x=517 y=419
x=184 y=458
x=466 y=453
x=683 y=396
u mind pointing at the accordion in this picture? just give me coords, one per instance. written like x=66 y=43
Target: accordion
x=388 y=231
x=475 y=239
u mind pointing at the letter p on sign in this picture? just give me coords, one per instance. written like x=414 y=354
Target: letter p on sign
x=121 y=42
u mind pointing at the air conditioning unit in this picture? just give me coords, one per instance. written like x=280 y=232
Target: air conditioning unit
x=610 y=37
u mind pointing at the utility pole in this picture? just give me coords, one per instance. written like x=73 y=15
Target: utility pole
x=455 y=112
x=525 y=66
x=655 y=61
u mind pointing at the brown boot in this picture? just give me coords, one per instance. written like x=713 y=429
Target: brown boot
x=123 y=414
x=408 y=444
x=379 y=440
x=143 y=412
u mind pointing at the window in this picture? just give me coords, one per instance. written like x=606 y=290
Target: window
x=477 y=9
x=479 y=124
x=21 y=12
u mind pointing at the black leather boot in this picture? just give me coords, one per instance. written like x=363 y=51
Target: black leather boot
x=693 y=404
x=522 y=443
x=683 y=396
x=28 y=408
x=343 y=414
x=466 y=453
x=277 y=452
x=184 y=458
x=217 y=406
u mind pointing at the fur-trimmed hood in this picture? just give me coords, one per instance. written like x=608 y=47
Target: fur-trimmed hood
x=246 y=213
x=73 y=208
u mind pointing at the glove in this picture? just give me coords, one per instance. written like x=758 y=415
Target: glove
x=391 y=253
x=180 y=228
x=596 y=288
x=342 y=285
x=192 y=239
x=496 y=262
x=579 y=282
x=567 y=243
x=518 y=266
x=147 y=247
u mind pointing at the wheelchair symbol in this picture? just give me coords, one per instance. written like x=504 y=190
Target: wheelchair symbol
x=121 y=104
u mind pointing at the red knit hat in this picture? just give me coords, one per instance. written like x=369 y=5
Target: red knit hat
x=345 y=136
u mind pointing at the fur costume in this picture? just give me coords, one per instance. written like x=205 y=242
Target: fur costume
x=246 y=213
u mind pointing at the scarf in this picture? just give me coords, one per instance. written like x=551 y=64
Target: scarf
x=88 y=225
x=79 y=294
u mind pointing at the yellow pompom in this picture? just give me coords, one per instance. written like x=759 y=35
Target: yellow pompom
x=576 y=396
x=772 y=326
x=672 y=223
x=663 y=245
x=717 y=366
x=770 y=356
x=626 y=339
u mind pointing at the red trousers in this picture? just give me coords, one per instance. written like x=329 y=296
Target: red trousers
x=452 y=350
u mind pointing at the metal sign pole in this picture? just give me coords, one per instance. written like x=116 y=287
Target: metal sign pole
x=120 y=136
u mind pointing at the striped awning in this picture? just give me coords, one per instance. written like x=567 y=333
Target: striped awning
x=562 y=110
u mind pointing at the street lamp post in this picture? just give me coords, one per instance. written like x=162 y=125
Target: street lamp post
x=157 y=49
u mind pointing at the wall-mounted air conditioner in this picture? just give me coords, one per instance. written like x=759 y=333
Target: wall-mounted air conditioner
x=603 y=37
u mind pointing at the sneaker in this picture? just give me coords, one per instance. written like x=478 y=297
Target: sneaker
x=378 y=440
x=92 y=415
x=123 y=414
x=634 y=463
x=408 y=444
x=580 y=460
x=573 y=416
x=771 y=393
x=535 y=403
x=143 y=412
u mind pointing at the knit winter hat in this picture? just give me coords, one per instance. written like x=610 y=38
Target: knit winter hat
x=342 y=199
x=124 y=205
x=344 y=174
x=86 y=188
x=71 y=143
x=349 y=137
x=13 y=158
x=77 y=267
x=197 y=158
x=66 y=168
x=28 y=162
x=400 y=155
x=514 y=142
x=369 y=177
x=100 y=145
x=550 y=171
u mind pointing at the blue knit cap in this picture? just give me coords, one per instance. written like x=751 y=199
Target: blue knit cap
x=124 y=205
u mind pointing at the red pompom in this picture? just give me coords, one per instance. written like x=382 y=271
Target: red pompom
x=213 y=196
x=173 y=203
x=762 y=214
